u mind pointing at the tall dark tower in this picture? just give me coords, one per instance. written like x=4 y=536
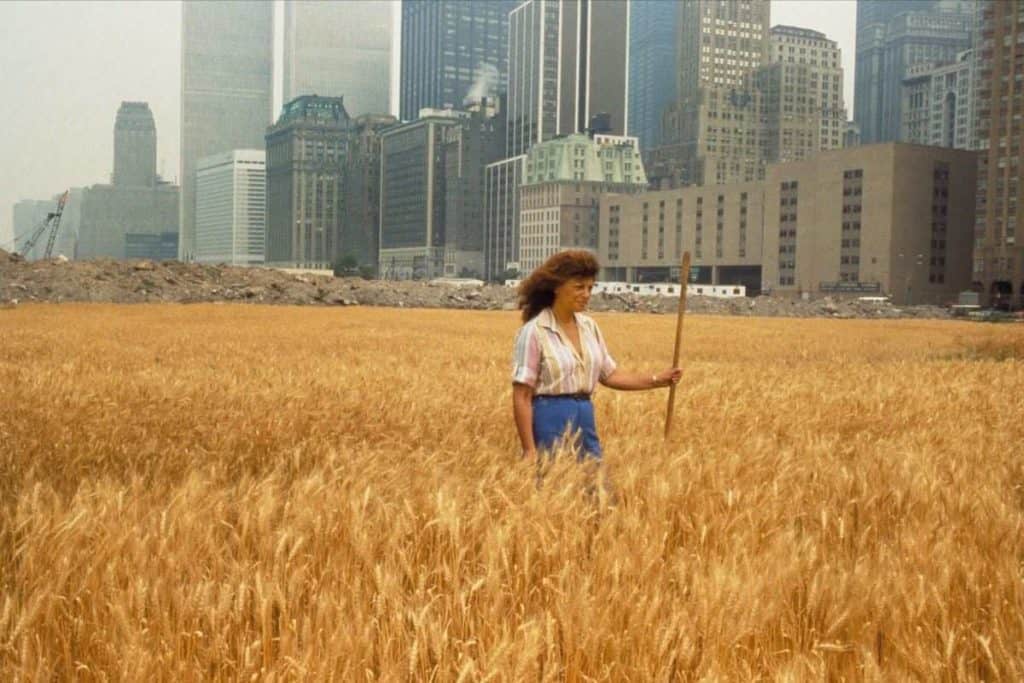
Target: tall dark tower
x=134 y=146
x=567 y=64
x=307 y=151
x=451 y=48
x=653 y=59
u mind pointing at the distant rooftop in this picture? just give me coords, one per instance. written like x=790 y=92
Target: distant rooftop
x=314 y=108
x=799 y=32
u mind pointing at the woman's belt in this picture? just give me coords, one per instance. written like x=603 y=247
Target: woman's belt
x=575 y=397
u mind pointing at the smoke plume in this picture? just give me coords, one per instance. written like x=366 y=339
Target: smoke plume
x=484 y=83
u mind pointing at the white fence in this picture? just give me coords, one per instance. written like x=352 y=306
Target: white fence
x=661 y=289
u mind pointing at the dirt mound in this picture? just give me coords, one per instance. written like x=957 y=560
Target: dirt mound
x=105 y=280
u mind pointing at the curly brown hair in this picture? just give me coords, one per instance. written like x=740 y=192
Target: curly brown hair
x=537 y=291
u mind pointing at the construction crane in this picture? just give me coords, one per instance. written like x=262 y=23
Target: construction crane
x=51 y=222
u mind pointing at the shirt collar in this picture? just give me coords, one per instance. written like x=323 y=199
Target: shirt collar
x=546 y=318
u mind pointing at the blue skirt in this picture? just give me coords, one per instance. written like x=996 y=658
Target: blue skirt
x=552 y=415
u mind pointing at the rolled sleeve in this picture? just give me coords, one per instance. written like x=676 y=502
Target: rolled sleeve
x=608 y=364
x=526 y=357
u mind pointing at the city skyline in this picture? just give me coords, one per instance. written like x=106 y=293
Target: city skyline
x=64 y=139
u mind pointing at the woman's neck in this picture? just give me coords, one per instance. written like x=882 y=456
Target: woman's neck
x=564 y=316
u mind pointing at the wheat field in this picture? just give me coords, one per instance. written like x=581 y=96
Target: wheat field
x=270 y=493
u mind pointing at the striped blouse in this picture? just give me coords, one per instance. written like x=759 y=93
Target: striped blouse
x=545 y=358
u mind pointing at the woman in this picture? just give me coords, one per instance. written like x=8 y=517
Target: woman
x=560 y=356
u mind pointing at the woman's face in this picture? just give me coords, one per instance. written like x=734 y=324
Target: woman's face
x=574 y=294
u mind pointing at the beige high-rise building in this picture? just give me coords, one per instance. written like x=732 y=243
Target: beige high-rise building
x=717 y=119
x=998 y=255
x=802 y=91
x=888 y=218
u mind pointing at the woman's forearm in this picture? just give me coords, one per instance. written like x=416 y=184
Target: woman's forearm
x=624 y=380
x=522 y=410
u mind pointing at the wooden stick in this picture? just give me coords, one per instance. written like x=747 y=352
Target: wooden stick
x=684 y=280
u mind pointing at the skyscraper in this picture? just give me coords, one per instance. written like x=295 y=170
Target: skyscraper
x=938 y=104
x=501 y=217
x=452 y=49
x=360 y=227
x=135 y=216
x=653 y=32
x=432 y=172
x=231 y=207
x=717 y=121
x=892 y=36
x=567 y=64
x=226 y=88
x=339 y=49
x=881 y=11
x=306 y=155
x=802 y=94
x=134 y=146
x=998 y=256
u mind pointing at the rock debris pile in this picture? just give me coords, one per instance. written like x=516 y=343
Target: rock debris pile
x=102 y=280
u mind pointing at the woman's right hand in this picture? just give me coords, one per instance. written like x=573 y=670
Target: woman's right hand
x=529 y=454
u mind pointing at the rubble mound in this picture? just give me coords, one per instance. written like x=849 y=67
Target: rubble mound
x=141 y=281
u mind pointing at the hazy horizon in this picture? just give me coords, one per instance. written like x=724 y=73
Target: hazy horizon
x=69 y=65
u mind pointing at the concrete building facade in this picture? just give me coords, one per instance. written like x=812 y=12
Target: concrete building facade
x=891 y=219
x=501 y=217
x=226 y=88
x=134 y=146
x=412 y=200
x=431 y=201
x=339 y=49
x=851 y=134
x=998 y=255
x=642 y=237
x=129 y=222
x=307 y=149
x=653 y=57
x=468 y=149
x=231 y=208
x=567 y=64
x=452 y=51
x=360 y=227
x=563 y=180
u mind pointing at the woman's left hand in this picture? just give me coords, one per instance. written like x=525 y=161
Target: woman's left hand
x=669 y=377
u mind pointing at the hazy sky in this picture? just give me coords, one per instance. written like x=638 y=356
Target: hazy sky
x=65 y=67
